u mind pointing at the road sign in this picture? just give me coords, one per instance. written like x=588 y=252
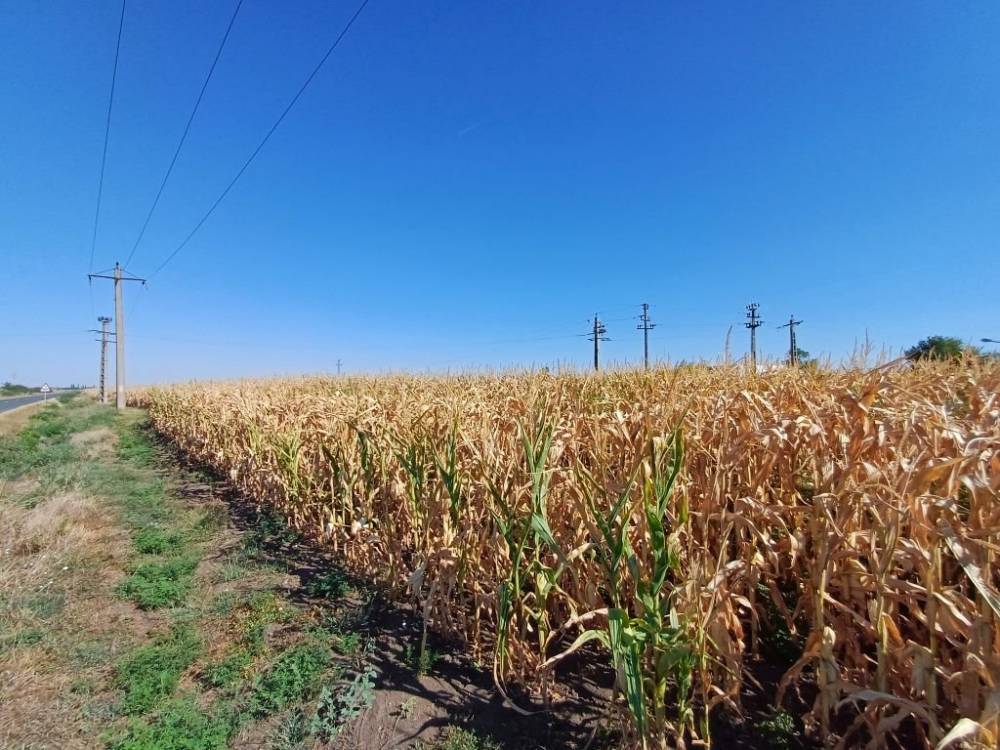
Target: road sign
x=45 y=391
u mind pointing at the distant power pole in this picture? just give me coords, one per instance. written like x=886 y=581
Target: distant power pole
x=118 y=278
x=645 y=326
x=597 y=337
x=103 y=320
x=793 y=348
x=753 y=323
x=338 y=366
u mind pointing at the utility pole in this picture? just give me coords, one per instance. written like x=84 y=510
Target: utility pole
x=753 y=323
x=118 y=278
x=645 y=326
x=793 y=349
x=597 y=337
x=338 y=366
x=103 y=320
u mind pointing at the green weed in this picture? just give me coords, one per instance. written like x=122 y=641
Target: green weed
x=347 y=644
x=263 y=609
x=777 y=732
x=293 y=677
x=228 y=670
x=269 y=529
x=337 y=707
x=153 y=540
x=43 y=444
x=178 y=725
x=464 y=739
x=421 y=661
x=333 y=585
x=160 y=584
x=135 y=447
x=151 y=673
x=291 y=732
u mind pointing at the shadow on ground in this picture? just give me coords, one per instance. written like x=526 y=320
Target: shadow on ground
x=409 y=707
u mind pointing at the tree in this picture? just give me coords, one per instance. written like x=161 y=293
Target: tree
x=940 y=347
x=803 y=359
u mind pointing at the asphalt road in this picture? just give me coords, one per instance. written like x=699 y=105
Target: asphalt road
x=6 y=404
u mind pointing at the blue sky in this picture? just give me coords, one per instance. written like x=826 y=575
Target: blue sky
x=466 y=183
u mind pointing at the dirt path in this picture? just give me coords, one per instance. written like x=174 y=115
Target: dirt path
x=144 y=607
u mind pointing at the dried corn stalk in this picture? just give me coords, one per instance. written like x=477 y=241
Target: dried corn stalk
x=521 y=514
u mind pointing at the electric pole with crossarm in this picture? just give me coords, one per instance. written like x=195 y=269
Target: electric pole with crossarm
x=645 y=326
x=793 y=347
x=753 y=323
x=597 y=336
x=103 y=320
x=118 y=278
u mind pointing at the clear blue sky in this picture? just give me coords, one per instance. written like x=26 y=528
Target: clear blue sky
x=465 y=183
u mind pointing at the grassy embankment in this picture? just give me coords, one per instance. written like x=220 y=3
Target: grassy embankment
x=134 y=616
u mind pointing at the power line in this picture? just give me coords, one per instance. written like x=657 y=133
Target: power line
x=107 y=134
x=267 y=137
x=184 y=135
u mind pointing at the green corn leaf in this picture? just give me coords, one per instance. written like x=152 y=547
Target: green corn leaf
x=541 y=528
x=626 y=648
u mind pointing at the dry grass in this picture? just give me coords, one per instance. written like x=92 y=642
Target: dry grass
x=854 y=511
x=96 y=443
x=59 y=562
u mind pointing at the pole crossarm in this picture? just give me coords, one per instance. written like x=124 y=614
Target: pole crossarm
x=114 y=278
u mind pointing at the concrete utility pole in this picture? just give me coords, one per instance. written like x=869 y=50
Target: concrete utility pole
x=597 y=337
x=753 y=323
x=103 y=320
x=793 y=349
x=118 y=278
x=645 y=326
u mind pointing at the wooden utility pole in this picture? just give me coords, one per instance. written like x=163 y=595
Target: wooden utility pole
x=793 y=347
x=753 y=323
x=597 y=337
x=118 y=278
x=645 y=326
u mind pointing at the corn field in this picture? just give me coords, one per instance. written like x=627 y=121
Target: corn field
x=672 y=523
